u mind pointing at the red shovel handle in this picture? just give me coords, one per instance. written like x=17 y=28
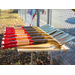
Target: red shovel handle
x=33 y=16
x=9 y=42
x=10 y=36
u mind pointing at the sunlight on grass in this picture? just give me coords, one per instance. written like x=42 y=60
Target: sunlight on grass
x=1 y=17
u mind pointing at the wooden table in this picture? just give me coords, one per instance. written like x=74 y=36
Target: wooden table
x=51 y=44
x=63 y=48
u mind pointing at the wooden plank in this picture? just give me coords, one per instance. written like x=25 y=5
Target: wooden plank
x=57 y=33
x=63 y=48
x=39 y=45
x=44 y=26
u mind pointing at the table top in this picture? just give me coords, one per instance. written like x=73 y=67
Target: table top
x=49 y=46
x=63 y=48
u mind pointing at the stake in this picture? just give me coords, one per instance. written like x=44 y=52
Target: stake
x=24 y=32
x=26 y=37
x=9 y=44
x=22 y=35
x=26 y=41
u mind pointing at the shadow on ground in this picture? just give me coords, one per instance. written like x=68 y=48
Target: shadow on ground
x=14 y=11
x=11 y=17
x=71 y=20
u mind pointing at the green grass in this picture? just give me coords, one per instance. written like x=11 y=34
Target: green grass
x=1 y=17
x=9 y=19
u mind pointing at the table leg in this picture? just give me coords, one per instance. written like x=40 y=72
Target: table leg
x=17 y=55
x=51 y=58
x=31 y=58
